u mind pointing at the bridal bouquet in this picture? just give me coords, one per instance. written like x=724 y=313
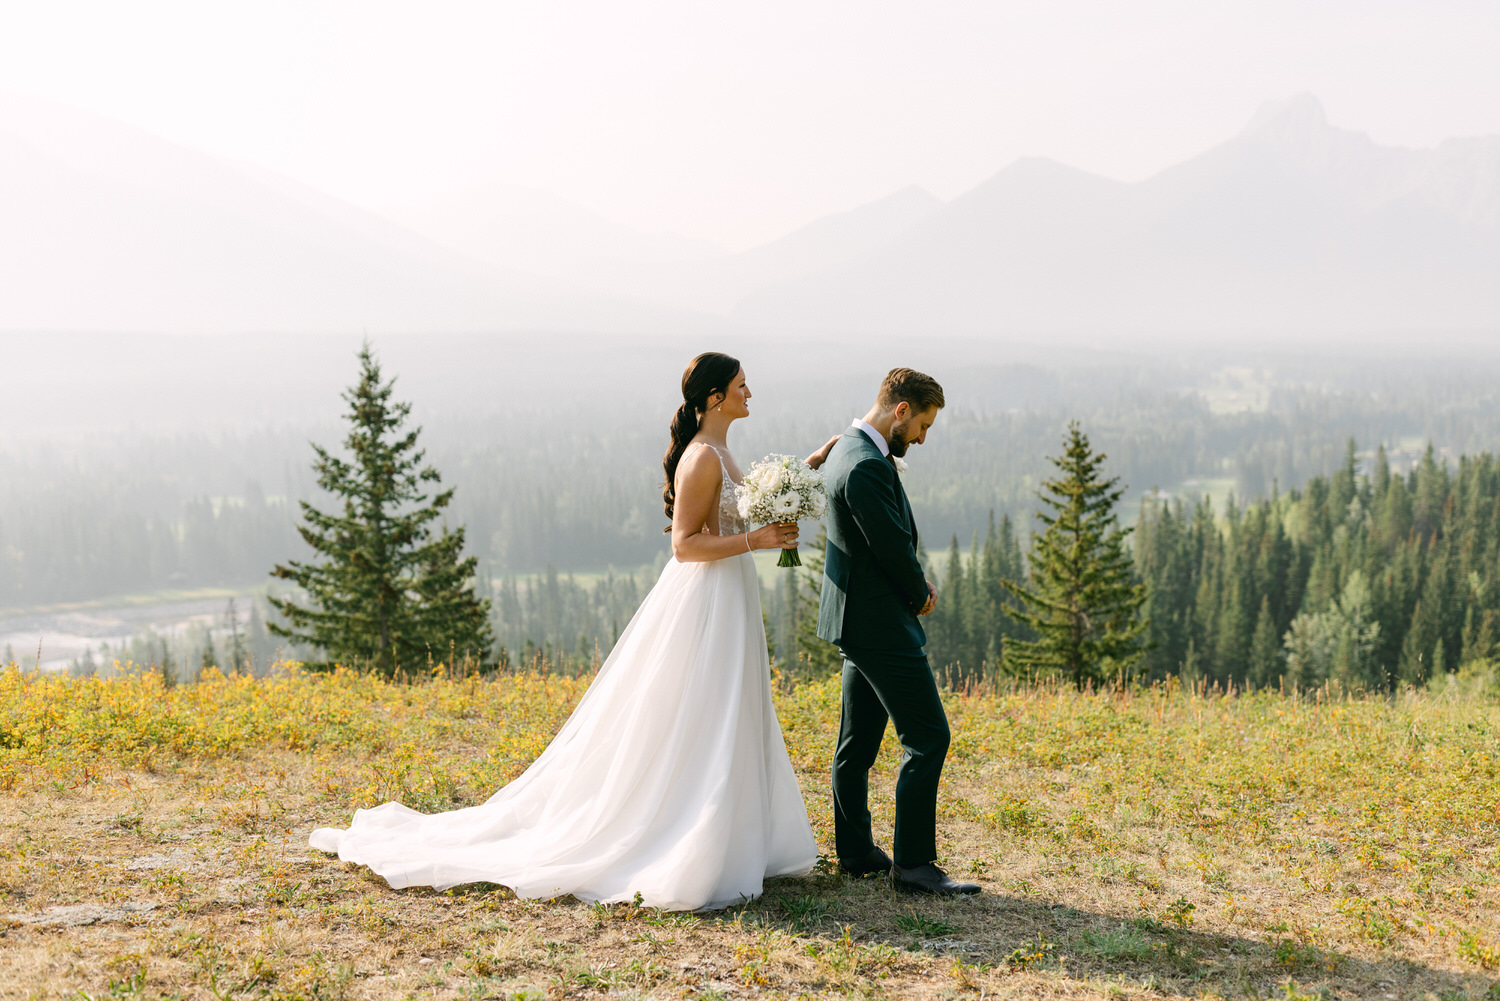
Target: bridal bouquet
x=782 y=488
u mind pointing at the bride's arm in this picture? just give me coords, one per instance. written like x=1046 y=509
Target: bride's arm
x=817 y=458
x=699 y=480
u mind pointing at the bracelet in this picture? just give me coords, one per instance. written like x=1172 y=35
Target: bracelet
x=747 y=542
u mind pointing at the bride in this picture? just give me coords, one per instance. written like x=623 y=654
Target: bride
x=671 y=778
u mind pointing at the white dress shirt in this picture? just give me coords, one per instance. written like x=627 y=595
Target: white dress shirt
x=879 y=439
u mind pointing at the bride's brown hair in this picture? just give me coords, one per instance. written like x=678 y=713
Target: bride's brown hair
x=707 y=374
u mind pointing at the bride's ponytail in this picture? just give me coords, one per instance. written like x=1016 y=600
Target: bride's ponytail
x=706 y=374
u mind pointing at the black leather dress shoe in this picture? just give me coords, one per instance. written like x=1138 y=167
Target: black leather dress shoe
x=928 y=879
x=876 y=863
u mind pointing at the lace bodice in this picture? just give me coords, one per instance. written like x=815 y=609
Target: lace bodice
x=730 y=522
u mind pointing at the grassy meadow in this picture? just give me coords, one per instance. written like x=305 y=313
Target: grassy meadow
x=1157 y=843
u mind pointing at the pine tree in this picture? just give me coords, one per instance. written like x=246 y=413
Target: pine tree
x=1207 y=599
x=1482 y=647
x=977 y=622
x=1164 y=554
x=1382 y=481
x=1232 y=644
x=1345 y=483
x=239 y=653
x=1416 y=648
x=168 y=675
x=1431 y=489
x=1081 y=602
x=86 y=666
x=1394 y=520
x=1003 y=562
x=388 y=593
x=1265 y=648
x=262 y=652
x=948 y=642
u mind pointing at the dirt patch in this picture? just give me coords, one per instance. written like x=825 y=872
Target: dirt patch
x=77 y=915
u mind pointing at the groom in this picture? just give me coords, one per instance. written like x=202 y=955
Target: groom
x=873 y=591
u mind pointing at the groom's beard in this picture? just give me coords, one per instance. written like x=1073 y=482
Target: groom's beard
x=898 y=443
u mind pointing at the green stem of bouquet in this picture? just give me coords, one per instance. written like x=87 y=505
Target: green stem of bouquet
x=789 y=558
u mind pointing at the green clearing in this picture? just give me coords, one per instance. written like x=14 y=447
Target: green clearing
x=135 y=600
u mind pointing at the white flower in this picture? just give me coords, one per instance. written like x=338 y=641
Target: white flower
x=782 y=488
x=900 y=463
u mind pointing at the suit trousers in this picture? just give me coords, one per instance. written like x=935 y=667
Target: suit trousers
x=895 y=685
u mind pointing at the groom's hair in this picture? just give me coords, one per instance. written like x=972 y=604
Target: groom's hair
x=907 y=385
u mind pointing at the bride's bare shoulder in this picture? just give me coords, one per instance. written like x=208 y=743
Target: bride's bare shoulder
x=699 y=461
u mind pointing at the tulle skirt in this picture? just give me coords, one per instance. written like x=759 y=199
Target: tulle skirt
x=670 y=779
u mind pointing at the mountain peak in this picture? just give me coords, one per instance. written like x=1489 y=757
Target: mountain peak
x=1296 y=132
x=1298 y=115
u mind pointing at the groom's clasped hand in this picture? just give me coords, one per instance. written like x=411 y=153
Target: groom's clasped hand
x=931 y=604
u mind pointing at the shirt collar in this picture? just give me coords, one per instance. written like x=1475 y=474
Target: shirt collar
x=875 y=436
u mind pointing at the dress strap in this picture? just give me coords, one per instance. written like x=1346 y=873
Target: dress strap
x=716 y=452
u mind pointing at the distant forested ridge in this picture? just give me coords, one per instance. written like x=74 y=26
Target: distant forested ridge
x=123 y=514
x=563 y=509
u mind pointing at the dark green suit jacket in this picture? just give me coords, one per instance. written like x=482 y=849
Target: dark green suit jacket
x=873 y=584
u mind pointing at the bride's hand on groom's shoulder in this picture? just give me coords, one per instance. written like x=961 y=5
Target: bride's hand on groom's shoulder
x=821 y=455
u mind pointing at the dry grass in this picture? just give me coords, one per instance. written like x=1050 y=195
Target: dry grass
x=1152 y=844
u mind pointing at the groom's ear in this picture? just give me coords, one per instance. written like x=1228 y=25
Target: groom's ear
x=902 y=411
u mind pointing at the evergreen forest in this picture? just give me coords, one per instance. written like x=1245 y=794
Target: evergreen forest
x=1367 y=578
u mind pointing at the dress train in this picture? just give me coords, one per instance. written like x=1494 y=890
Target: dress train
x=671 y=778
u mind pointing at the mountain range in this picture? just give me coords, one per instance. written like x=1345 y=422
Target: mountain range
x=1292 y=227
x=104 y=227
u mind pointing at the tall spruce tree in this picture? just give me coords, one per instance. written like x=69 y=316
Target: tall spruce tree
x=1081 y=602
x=1002 y=562
x=387 y=593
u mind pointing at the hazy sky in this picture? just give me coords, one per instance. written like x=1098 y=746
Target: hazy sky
x=736 y=122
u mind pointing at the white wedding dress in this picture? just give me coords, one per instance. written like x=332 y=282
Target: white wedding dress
x=670 y=779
